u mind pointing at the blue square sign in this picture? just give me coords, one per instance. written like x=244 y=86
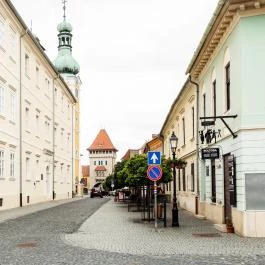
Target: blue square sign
x=154 y=158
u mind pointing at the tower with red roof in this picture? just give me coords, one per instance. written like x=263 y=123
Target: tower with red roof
x=102 y=157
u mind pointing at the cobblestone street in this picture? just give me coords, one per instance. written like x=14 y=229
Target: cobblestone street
x=100 y=231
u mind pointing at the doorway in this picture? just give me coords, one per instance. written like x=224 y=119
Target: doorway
x=229 y=185
x=213 y=178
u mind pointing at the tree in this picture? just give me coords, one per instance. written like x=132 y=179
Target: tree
x=133 y=172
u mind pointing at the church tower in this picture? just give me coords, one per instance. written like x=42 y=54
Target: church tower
x=68 y=67
x=102 y=158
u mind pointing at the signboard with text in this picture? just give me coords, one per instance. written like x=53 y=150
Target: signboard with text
x=210 y=153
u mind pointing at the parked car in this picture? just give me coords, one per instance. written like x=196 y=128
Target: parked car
x=95 y=192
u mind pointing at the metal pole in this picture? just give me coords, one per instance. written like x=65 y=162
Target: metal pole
x=155 y=198
x=175 y=219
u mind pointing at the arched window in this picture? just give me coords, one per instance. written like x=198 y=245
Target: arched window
x=213 y=92
x=227 y=84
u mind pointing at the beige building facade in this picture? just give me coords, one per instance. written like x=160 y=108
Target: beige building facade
x=181 y=120
x=36 y=119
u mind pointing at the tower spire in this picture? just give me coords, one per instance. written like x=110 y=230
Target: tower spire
x=64 y=8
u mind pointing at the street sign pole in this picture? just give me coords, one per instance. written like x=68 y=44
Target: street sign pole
x=154 y=173
x=155 y=197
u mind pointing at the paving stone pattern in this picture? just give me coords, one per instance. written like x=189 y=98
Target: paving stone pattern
x=99 y=231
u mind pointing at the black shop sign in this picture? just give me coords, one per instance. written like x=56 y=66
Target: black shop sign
x=210 y=153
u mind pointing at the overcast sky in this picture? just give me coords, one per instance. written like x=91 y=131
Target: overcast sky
x=133 y=55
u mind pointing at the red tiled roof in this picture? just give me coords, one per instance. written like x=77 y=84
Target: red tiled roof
x=100 y=168
x=102 y=142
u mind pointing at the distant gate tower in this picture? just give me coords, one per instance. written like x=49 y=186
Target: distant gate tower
x=68 y=67
x=102 y=158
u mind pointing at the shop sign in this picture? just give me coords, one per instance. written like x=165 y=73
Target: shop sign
x=210 y=153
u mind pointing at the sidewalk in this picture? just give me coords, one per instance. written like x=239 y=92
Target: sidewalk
x=112 y=228
x=28 y=209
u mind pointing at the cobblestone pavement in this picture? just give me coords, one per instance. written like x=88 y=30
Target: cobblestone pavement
x=99 y=231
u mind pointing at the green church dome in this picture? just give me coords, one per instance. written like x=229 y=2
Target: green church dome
x=65 y=63
x=64 y=26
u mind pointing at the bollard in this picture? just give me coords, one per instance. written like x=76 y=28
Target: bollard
x=165 y=212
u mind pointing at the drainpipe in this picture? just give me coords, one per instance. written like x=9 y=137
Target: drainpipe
x=73 y=153
x=53 y=134
x=197 y=142
x=20 y=117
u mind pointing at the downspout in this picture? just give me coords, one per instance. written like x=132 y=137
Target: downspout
x=197 y=143
x=20 y=118
x=53 y=135
x=73 y=132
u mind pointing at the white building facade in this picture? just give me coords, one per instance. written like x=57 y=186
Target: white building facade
x=36 y=119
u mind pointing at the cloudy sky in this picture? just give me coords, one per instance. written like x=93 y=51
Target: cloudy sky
x=133 y=55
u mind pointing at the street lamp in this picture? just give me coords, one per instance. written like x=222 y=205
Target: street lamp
x=173 y=145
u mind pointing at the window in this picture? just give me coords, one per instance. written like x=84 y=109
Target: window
x=26 y=65
x=61 y=172
x=68 y=174
x=47 y=85
x=2 y=163
x=68 y=111
x=55 y=134
x=184 y=179
x=12 y=165
x=214 y=97
x=47 y=128
x=192 y=177
x=193 y=121
x=2 y=98
x=62 y=103
x=204 y=104
x=179 y=184
x=61 y=137
x=12 y=43
x=95 y=163
x=106 y=163
x=2 y=33
x=26 y=119
x=55 y=95
x=37 y=124
x=227 y=86
x=76 y=93
x=37 y=75
x=183 y=128
x=37 y=168
x=12 y=107
x=68 y=142
x=27 y=167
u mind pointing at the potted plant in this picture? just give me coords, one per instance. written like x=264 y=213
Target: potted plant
x=178 y=163
x=229 y=225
